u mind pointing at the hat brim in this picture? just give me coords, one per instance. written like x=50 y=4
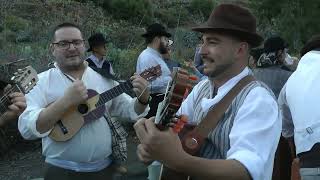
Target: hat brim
x=253 y=39
x=145 y=35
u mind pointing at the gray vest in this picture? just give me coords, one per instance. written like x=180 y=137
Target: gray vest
x=217 y=143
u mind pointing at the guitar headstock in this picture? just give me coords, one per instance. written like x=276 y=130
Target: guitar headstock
x=151 y=73
x=25 y=78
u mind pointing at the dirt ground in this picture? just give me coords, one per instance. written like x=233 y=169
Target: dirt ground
x=25 y=162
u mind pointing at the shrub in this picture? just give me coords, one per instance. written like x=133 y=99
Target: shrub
x=203 y=7
x=15 y=23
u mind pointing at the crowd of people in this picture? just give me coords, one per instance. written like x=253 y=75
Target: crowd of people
x=270 y=123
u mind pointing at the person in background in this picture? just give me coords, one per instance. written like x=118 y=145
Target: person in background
x=97 y=45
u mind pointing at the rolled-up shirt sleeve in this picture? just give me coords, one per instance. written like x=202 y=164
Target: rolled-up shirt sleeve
x=255 y=133
x=287 y=123
x=36 y=102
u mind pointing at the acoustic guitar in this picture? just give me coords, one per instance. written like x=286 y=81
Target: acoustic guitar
x=94 y=108
x=177 y=90
x=22 y=81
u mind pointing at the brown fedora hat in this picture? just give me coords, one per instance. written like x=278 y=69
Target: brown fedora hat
x=234 y=20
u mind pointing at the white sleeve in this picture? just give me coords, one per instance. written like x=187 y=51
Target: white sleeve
x=255 y=133
x=36 y=102
x=146 y=61
x=123 y=106
x=287 y=123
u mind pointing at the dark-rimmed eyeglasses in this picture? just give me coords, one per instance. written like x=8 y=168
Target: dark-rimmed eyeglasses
x=66 y=44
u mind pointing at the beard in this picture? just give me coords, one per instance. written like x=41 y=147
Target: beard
x=219 y=69
x=162 y=48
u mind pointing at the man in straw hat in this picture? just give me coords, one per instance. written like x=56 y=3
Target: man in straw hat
x=299 y=102
x=242 y=145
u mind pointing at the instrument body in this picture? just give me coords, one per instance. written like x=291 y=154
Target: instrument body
x=177 y=90
x=94 y=108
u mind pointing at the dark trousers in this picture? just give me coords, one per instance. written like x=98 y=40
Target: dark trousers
x=57 y=173
x=283 y=161
x=156 y=99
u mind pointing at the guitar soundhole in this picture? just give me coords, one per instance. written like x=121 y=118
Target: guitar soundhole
x=83 y=108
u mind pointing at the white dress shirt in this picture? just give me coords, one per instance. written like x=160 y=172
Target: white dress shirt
x=299 y=101
x=90 y=148
x=99 y=63
x=256 y=129
x=150 y=58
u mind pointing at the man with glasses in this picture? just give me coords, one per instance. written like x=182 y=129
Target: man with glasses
x=97 y=43
x=90 y=153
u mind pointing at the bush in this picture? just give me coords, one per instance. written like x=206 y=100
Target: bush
x=203 y=7
x=15 y=23
x=131 y=9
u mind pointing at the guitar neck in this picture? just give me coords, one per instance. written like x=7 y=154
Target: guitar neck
x=5 y=99
x=114 y=92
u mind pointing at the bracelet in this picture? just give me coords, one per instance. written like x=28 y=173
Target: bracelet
x=145 y=103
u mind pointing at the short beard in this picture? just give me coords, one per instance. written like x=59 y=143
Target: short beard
x=163 y=49
x=219 y=70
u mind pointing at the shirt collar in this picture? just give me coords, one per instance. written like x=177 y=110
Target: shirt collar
x=84 y=62
x=153 y=51
x=233 y=81
x=206 y=103
x=96 y=60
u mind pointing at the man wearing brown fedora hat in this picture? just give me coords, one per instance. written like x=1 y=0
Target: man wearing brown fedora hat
x=241 y=142
x=299 y=102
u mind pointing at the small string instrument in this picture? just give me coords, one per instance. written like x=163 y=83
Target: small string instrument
x=177 y=90
x=22 y=81
x=94 y=108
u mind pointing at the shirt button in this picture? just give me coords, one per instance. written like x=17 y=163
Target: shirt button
x=309 y=130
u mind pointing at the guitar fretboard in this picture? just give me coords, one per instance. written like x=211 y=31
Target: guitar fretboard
x=5 y=100
x=114 y=92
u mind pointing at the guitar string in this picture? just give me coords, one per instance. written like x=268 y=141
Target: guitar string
x=5 y=100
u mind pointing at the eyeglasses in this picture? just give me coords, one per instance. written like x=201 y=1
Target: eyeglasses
x=66 y=44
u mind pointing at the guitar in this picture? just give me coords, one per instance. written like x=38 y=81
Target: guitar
x=94 y=108
x=177 y=90
x=22 y=81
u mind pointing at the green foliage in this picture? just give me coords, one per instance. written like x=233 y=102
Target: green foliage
x=131 y=9
x=124 y=60
x=203 y=7
x=292 y=19
x=15 y=24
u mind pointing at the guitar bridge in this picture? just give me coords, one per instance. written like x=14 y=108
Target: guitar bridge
x=62 y=127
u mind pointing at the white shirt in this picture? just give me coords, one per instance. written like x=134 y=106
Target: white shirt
x=150 y=58
x=299 y=101
x=90 y=148
x=256 y=129
x=99 y=63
